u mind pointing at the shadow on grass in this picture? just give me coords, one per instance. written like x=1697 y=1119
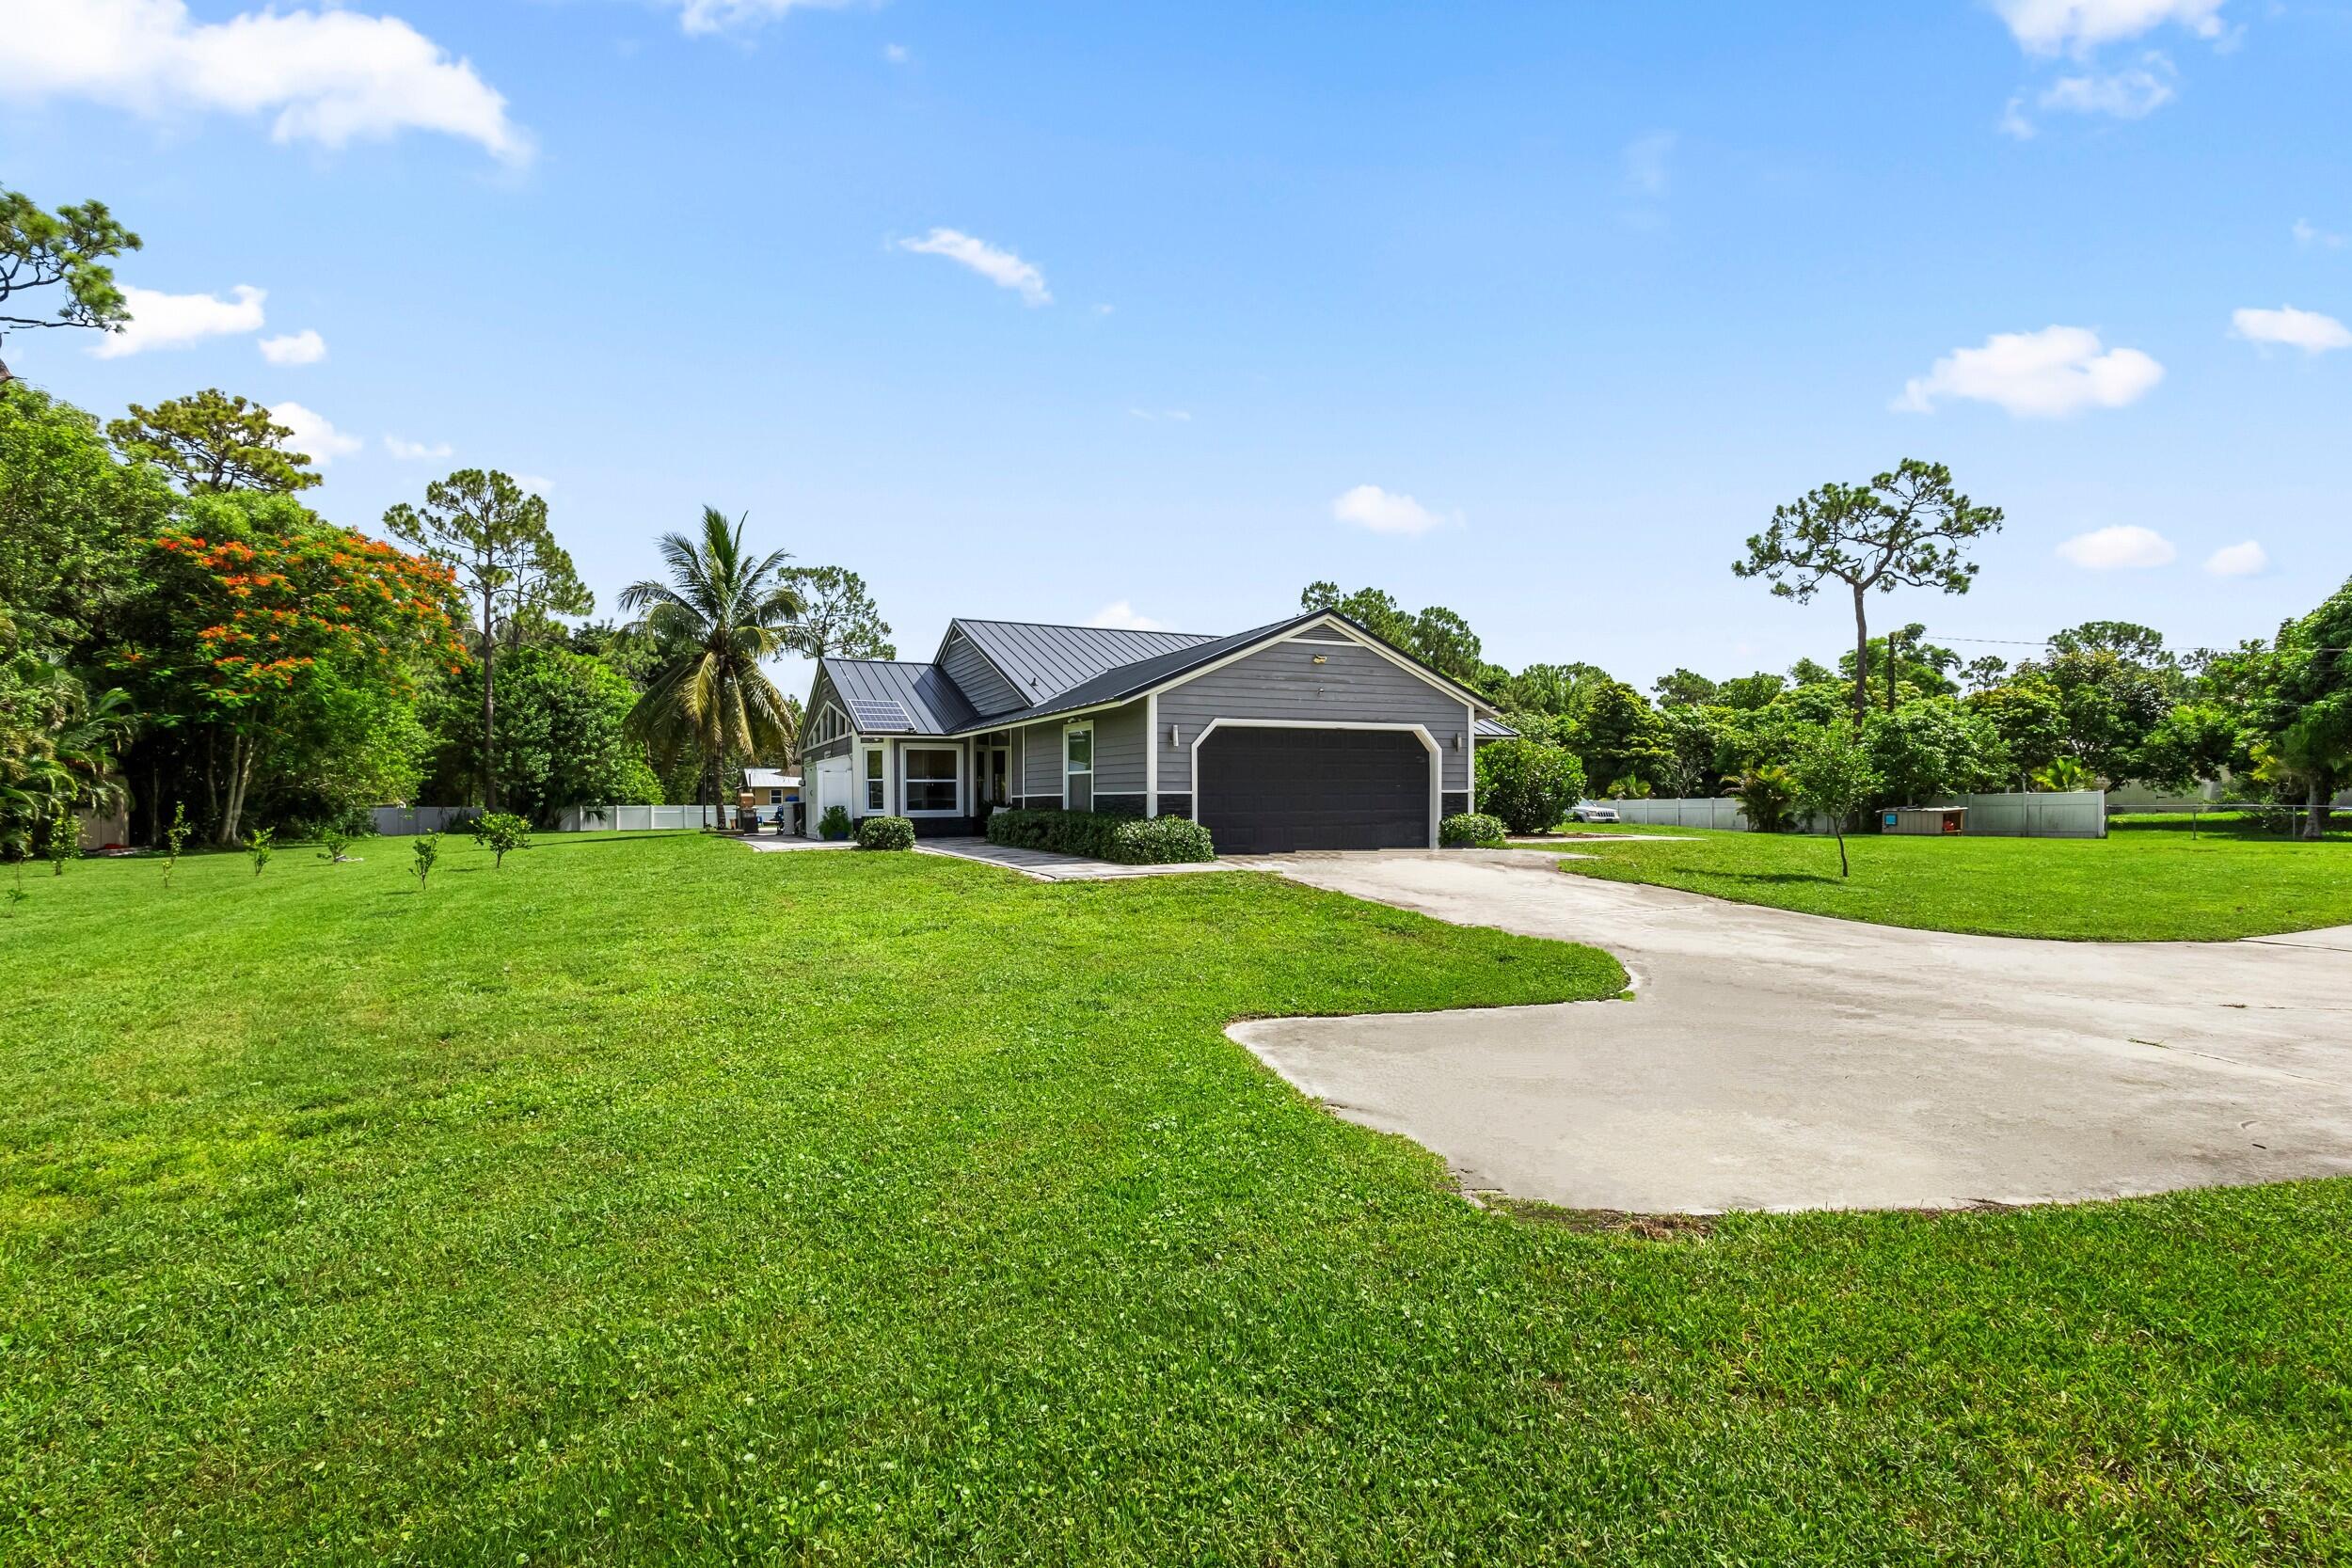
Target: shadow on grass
x=1775 y=876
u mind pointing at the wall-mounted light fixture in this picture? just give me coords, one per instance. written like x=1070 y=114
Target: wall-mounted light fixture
x=1175 y=736
x=1457 y=740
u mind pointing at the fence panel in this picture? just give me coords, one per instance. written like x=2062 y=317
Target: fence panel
x=2068 y=813
x=402 y=820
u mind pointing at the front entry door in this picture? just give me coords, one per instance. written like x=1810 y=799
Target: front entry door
x=996 y=776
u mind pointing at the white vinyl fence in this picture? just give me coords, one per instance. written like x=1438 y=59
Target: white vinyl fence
x=1697 y=812
x=639 y=819
x=2043 y=814
x=2055 y=813
x=400 y=820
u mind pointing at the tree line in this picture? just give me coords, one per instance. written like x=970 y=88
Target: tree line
x=181 y=635
x=2104 y=702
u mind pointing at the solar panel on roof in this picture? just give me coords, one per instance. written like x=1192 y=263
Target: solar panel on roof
x=876 y=713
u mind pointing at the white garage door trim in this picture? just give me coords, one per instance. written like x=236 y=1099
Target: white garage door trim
x=1428 y=741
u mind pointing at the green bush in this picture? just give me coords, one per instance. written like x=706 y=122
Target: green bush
x=1098 y=835
x=885 y=833
x=1527 y=783
x=1471 y=829
x=835 y=824
x=1768 y=793
x=500 y=831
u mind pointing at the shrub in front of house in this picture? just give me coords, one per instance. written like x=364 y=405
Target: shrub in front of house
x=1098 y=835
x=885 y=833
x=1470 y=831
x=835 y=824
x=1527 y=783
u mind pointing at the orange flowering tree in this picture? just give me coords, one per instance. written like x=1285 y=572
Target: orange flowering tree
x=278 y=640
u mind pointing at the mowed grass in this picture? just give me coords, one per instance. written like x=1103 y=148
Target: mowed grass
x=651 y=1201
x=2148 y=880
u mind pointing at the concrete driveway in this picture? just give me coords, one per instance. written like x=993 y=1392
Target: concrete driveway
x=1785 y=1061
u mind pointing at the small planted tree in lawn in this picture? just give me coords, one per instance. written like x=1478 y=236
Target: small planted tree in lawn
x=175 y=840
x=257 y=844
x=427 y=849
x=1834 y=779
x=500 y=831
x=333 y=842
x=61 y=840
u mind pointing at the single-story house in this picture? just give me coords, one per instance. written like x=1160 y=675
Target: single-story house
x=771 y=787
x=1308 y=734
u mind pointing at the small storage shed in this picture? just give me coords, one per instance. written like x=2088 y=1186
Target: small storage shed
x=1926 y=821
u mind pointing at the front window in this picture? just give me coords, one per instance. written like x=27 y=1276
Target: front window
x=931 y=779
x=873 y=777
x=1078 y=767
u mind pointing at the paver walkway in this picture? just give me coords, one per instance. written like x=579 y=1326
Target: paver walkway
x=1772 y=1060
x=1047 y=866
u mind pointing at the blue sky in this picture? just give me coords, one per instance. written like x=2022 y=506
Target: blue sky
x=1064 y=311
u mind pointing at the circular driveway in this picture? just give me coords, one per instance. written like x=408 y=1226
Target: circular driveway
x=1772 y=1060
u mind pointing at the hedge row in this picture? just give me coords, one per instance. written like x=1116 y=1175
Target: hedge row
x=1131 y=840
x=1469 y=830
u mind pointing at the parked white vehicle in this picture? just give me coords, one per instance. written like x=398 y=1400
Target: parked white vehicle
x=1588 y=811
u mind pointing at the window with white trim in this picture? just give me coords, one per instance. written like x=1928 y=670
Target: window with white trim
x=874 y=779
x=931 y=784
x=1077 y=743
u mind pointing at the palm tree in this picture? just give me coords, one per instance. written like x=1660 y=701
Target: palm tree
x=718 y=617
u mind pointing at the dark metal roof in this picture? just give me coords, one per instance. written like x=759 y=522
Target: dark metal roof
x=1128 y=680
x=1045 y=662
x=930 y=700
x=1095 y=667
x=1495 y=729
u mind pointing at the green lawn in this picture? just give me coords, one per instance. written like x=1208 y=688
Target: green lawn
x=2150 y=879
x=652 y=1202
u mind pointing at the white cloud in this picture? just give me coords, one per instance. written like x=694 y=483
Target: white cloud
x=1177 y=415
x=2106 y=549
x=1647 y=162
x=175 y=321
x=896 y=53
x=2238 y=561
x=538 y=484
x=1000 y=267
x=2131 y=94
x=2051 y=26
x=2305 y=330
x=331 y=77
x=1122 y=615
x=314 y=435
x=305 y=347
x=2307 y=235
x=716 y=16
x=413 y=451
x=2046 y=374
x=1368 y=506
x=2014 y=121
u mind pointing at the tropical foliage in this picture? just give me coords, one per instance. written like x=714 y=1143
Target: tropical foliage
x=717 y=621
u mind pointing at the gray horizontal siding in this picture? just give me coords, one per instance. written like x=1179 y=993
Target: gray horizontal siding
x=981 y=684
x=1119 y=757
x=1282 y=681
x=1119 y=740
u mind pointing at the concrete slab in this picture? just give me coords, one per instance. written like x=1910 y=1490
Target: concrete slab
x=1774 y=1060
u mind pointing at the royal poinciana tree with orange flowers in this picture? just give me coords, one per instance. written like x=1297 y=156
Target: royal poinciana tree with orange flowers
x=284 y=642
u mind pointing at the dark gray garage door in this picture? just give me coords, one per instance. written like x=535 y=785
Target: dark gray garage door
x=1265 y=791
